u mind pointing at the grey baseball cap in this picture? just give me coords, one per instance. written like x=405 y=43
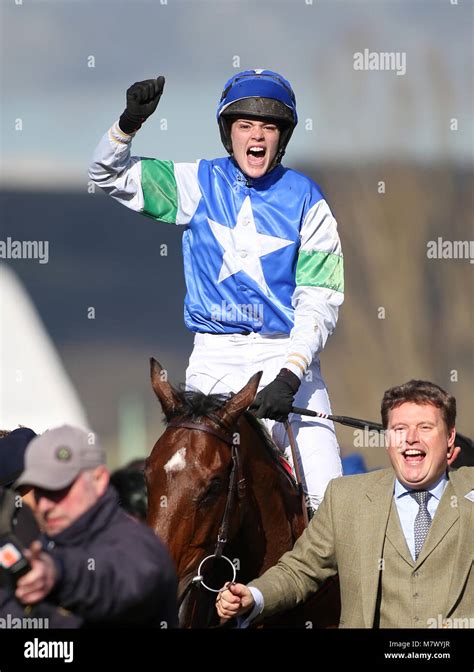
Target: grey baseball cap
x=54 y=459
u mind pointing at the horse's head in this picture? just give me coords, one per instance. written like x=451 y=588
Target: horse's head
x=216 y=488
x=194 y=470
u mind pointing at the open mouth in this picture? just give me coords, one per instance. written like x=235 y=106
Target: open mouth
x=256 y=155
x=413 y=455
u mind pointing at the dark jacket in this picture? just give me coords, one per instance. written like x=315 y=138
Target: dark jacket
x=113 y=570
x=14 y=615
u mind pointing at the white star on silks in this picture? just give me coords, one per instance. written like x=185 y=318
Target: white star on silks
x=243 y=246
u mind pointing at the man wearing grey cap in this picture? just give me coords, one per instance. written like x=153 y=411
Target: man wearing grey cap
x=99 y=563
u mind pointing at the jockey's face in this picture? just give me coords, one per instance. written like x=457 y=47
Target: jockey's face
x=419 y=444
x=254 y=145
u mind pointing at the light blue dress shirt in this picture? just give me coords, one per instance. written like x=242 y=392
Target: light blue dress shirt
x=408 y=507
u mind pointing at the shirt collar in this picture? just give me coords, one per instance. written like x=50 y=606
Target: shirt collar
x=436 y=489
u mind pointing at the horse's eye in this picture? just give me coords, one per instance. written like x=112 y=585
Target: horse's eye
x=213 y=490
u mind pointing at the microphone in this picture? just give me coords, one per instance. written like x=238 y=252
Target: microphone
x=12 y=559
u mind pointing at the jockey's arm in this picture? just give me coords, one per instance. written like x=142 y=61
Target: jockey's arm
x=319 y=288
x=163 y=190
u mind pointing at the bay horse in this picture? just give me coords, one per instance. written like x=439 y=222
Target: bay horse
x=216 y=487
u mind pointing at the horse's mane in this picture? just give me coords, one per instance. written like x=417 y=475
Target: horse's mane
x=195 y=405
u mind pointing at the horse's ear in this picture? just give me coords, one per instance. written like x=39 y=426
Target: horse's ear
x=163 y=390
x=237 y=404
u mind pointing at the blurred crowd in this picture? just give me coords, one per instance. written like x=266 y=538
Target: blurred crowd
x=75 y=548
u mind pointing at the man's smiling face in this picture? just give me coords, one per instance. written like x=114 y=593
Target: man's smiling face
x=419 y=444
x=254 y=145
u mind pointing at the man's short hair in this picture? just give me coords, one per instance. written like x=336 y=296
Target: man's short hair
x=419 y=392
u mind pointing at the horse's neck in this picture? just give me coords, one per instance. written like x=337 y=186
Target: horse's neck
x=273 y=518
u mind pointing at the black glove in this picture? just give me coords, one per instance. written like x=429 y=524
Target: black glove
x=276 y=399
x=142 y=100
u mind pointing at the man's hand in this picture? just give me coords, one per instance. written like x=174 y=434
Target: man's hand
x=38 y=582
x=142 y=101
x=276 y=399
x=234 y=600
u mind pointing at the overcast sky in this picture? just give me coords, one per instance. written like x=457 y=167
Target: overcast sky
x=345 y=114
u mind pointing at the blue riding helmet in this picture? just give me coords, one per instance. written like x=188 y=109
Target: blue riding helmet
x=262 y=94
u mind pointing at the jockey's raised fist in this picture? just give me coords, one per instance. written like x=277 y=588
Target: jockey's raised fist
x=142 y=100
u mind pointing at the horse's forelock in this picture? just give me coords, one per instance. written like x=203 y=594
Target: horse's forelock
x=195 y=405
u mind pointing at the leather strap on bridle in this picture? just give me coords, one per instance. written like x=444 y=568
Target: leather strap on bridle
x=224 y=527
x=201 y=428
x=296 y=467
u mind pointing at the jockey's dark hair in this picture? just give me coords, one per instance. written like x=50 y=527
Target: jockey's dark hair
x=419 y=392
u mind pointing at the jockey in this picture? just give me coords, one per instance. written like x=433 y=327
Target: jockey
x=262 y=257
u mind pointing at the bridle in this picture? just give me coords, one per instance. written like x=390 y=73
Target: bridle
x=237 y=487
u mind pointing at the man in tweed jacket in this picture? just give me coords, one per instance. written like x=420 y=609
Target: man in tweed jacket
x=399 y=566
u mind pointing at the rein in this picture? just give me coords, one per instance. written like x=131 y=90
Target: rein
x=299 y=480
